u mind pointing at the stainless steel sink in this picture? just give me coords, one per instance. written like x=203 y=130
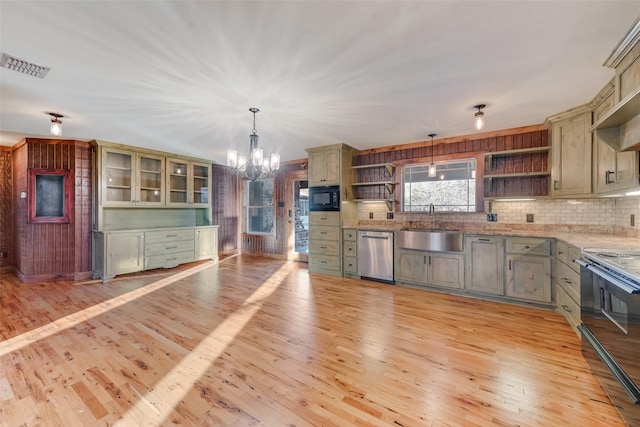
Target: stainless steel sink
x=431 y=240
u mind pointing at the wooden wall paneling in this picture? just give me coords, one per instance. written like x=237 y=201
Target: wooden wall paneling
x=50 y=251
x=226 y=214
x=6 y=209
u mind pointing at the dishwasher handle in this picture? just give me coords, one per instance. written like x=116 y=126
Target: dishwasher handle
x=366 y=236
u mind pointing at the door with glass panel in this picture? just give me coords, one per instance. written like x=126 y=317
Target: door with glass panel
x=297 y=215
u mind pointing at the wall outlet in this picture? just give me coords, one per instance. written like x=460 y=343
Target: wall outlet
x=370 y=215
x=492 y=217
x=389 y=215
x=529 y=217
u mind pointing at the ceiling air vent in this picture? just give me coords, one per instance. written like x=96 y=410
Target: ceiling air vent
x=24 y=67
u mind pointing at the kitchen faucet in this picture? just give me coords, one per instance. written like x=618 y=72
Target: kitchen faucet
x=432 y=212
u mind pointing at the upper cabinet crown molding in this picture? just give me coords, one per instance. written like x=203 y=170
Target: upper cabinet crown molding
x=624 y=46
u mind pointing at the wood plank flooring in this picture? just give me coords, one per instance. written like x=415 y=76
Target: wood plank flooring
x=260 y=342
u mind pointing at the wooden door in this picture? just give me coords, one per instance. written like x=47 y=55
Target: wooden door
x=446 y=270
x=529 y=277
x=412 y=266
x=485 y=265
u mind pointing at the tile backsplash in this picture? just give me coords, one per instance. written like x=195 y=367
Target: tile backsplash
x=612 y=214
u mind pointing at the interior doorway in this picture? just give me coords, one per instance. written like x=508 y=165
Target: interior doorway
x=297 y=205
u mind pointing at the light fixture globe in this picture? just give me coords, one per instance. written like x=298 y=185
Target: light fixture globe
x=255 y=166
x=479 y=117
x=56 y=124
x=432 y=165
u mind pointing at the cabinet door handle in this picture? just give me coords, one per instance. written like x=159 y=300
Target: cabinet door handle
x=429 y=259
x=556 y=184
x=566 y=308
x=172 y=247
x=527 y=247
x=509 y=264
x=425 y=259
x=484 y=240
x=607 y=177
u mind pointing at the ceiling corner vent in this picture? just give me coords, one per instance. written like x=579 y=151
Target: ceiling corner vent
x=24 y=67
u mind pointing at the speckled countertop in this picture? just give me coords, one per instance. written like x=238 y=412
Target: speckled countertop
x=580 y=236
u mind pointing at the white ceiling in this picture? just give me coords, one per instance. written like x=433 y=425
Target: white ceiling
x=180 y=76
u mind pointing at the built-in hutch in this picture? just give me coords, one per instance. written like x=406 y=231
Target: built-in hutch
x=151 y=210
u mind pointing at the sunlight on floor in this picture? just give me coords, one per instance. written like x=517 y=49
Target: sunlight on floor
x=59 y=325
x=155 y=406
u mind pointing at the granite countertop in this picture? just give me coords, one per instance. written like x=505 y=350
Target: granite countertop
x=580 y=236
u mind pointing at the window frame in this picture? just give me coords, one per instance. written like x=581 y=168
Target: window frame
x=246 y=227
x=63 y=189
x=479 y=187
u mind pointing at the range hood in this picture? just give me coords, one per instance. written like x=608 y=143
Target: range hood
x=620 y=127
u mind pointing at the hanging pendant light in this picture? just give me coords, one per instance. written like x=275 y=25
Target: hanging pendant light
x=479 y=117
x=255 y=166
x=432 y=166
x=56 y=124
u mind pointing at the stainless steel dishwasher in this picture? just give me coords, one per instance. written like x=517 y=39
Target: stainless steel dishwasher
x=375 y=255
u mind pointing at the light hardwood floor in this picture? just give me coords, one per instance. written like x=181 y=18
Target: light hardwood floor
x=255 y=341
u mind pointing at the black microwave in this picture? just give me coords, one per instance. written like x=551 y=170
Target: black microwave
x=324 y=198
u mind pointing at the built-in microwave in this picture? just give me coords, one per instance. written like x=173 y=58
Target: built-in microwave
x=324 y=198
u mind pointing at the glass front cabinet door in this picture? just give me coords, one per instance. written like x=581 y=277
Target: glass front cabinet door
x=188 y=183
x=150 y=178
x=118 y=176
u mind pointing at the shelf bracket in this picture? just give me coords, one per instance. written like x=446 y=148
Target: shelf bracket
x=390 y=187
x=390 y=168
x=389 y=204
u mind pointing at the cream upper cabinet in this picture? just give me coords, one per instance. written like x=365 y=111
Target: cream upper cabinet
x=571 y=155
x=131 y=178
x=324 y=166
x=188 y=182
x=612 y=170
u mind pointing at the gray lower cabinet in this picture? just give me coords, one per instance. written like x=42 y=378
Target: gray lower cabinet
x=325 y=243
x=350 y=252
x=124 y=254
x=529 y=269
x=484 y=264
x=566 y=282
x=128 y=251
x=430 y=268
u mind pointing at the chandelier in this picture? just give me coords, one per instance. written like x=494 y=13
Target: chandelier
x=256 y=166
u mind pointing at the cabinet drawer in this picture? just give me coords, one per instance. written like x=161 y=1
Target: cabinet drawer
x=568 y=279
x=350 y=265
x=168 y=260
x=529 y=246
x=166 y=248
x=349 y=234
x=323 y=262
x=324 y=218
x=326 y=247
x=567 y=306
x=170 y=235
x=324 y=233
x=350 y=248
x=574 y=253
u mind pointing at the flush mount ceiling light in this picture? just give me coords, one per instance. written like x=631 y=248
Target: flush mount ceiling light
x=24 y=67
x=432 y=166
x=479 y=116
x=56 y=124
x=255 y=167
